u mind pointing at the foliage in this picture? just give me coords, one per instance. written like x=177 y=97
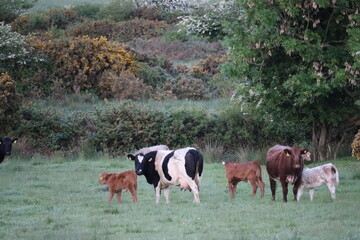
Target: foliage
x=125 y=127
x=124 y=85
x=209 y=20
x=117 y=10
x=296 y=68
x=87 y=10
x=9 y=10
x=188 y=87
x=209 y=66
x=81 y=61
x=148 y=13
x=94 y=29
x=152 y=76
x=356 y=146
x=61 y=18
x=10 y=103
x=139 y=28
x=13 y=50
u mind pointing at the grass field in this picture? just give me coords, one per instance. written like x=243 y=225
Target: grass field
x=60 y=199
x=45 y=5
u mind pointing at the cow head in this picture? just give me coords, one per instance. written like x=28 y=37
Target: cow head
x=142 y=161
x=296 y=155
x=6 y=144
x=103 y=178
x=306 y=155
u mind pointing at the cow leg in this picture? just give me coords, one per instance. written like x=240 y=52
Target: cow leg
x=272 y=188
x=254 y=187
x=157 y=194
x=331 y=188
x=118 y=196
x=299 y=193
x=231 y=189
x=195 y=190
x=284 y=186
x=234 y=186
x=261 y=185
x=295 y=188
x=133 y=194
x=311 y=193
x=111 y=194
x=166 y=194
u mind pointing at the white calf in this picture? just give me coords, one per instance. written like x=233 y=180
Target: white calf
x=316 y=177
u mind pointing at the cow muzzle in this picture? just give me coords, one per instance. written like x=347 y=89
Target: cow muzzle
x=139 y=172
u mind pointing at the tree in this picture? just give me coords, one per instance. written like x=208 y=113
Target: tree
x=299 y=61
x=11 y=9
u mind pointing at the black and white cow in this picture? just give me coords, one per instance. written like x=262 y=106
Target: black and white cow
x=163 y=168
x=5 y=147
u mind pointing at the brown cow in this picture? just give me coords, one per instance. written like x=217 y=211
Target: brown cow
x=120 y=181
x=250 y=171
x=285 y=164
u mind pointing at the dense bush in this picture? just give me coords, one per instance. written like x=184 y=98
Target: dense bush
x=119 y=128
x=188 y=87
x=13 y=50
x=126 y=127
x=124 y=85
x=81 y=62
x=88 y=10
x=356 y=146
x=117 y=10
x=10 y=103
x=94 y=29
x=139 y=28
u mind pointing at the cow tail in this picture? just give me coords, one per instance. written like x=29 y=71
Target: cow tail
x=335 y=171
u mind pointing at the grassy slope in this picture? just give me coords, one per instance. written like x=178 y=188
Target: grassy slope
x=57 y=199
x=45 y=5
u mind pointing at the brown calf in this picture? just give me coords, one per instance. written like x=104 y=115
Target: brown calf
x=120 y=181
x=250 y=171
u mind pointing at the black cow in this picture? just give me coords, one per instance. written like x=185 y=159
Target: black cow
x=163 y=168
x=5 y=147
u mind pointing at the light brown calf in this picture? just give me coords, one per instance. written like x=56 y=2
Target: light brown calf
x=120 y=181
x=250 y=171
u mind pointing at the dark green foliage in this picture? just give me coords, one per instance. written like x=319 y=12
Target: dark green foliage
x=9 y=10
x=122 y=128
x=300 y=70
x=88 y=10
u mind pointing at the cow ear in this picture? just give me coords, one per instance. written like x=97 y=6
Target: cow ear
x=150 y=159
x=287 y=152
x=1 y=140
x=131 y=157
x=14 y=140
x=304 y=151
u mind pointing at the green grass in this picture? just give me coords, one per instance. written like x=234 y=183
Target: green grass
x=60 y=199
x=46 y=5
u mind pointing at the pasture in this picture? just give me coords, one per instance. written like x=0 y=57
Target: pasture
x=61 y=199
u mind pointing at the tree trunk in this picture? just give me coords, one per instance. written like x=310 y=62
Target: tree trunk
x=320 y=142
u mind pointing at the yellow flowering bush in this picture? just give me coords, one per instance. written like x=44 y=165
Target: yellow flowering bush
x=80 y=62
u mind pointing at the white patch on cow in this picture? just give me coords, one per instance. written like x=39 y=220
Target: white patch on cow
x=140 y=158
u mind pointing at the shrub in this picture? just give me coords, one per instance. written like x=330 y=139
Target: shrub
x=152 y=76
x=61 y=18
x=81 y=61
x=123 y=86
x=13 y=50
x=124 y=127
x=356 y=146
x=208 y=67
x=148 y=13
x=87 y=10
x=117 y=10
x=26 y=24
x=10 y=103
x=185 y=127
x=139 y=28
x=189 y=88
x=94 y=29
